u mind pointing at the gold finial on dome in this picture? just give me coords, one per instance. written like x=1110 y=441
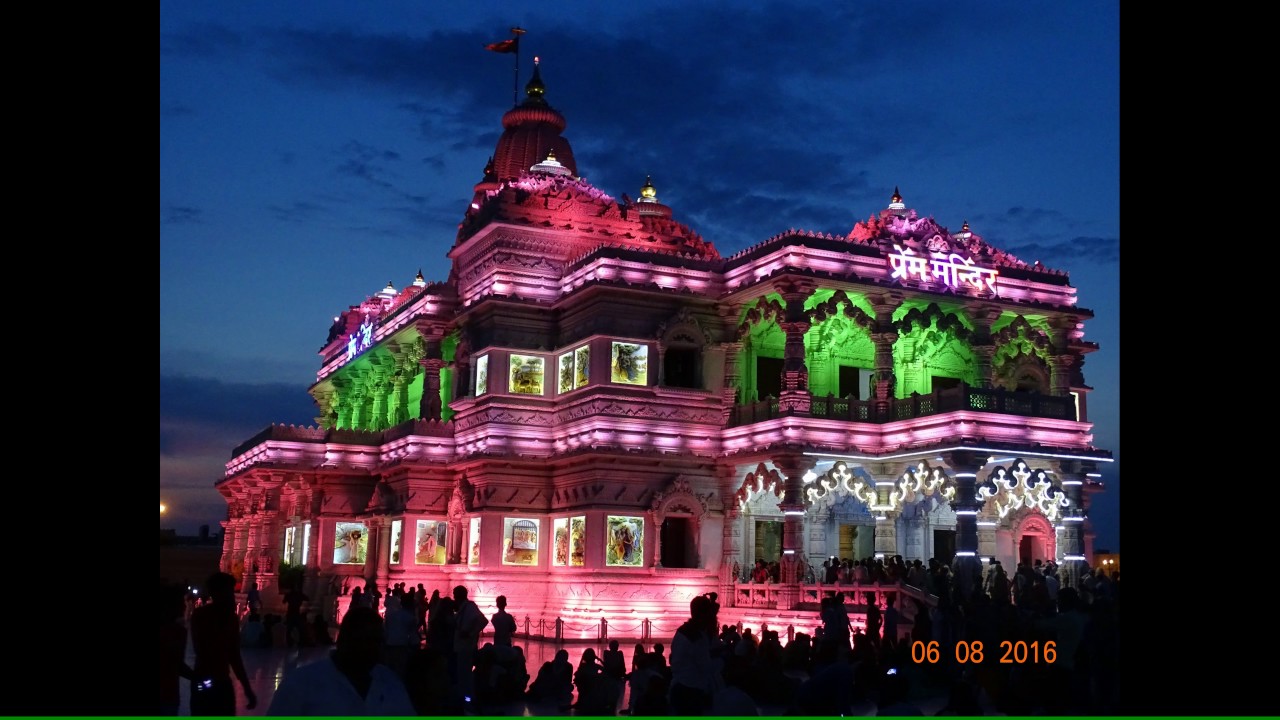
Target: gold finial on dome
x=388 y=292
x=534 y=89
x=896 y=204
x=964 y=231
x=419 y=281
x=648 y=193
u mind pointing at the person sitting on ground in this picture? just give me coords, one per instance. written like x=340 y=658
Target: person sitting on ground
x=615 y=665
x=350 y=681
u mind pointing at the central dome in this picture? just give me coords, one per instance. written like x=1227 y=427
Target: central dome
x=531 y=130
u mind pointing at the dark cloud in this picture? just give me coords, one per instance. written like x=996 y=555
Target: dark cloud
x=1070 y=252
x=202 y=40
x=299 y=211
x=242 y=404
x=178 y=214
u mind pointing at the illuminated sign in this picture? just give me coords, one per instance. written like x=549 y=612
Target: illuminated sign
x=361 y=340
x=953 y=271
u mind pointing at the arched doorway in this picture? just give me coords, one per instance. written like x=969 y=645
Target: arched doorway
x=1034 y=539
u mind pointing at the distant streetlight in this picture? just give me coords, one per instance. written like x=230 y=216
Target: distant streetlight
x=162 y=508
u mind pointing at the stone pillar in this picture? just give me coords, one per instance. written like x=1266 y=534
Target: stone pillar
x=311 y=571
x=224 y=561
x=983 y=315
x=431 y=389
x=795 y=374
x=731 y=534
x=887 y=535
x=373 y=553
x=662 y=365
x=1060 y=374
x=399 y=399
x=379 y=389
x=729 y=391
x=818 y=521
x=792 y=466
x=965 y=465
x=383 y=534
x=1074 y=559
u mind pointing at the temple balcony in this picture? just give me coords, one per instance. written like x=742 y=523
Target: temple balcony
x=994 y=417
x=310 y=447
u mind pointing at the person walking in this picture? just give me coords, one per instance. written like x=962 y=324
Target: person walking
x=466 y=639
x=350 y=682
x=215 y=639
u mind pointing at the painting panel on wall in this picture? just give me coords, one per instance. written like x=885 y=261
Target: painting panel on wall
x=350 y=543
x=520 y=541
x=581 y=366
x=570 y=541
x=397 y=532
x=430 y=542
x=630 y=363
x=624 y=541
x=290 y=543
x=482 y=375
x=560 y=534
x=473 y=554
x=526 y=375
x=566 y=372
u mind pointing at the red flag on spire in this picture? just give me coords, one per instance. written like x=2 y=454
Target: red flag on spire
x=505 y=46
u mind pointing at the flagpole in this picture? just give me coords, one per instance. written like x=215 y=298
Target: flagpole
x=516 y=32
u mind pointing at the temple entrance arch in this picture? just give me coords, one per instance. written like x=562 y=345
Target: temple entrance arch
x=1034 y=538
x=839 y=513
x=677 y=513
x=1022 y=505
x=760 y=517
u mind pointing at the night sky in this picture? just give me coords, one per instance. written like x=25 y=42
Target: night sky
x=310 y=152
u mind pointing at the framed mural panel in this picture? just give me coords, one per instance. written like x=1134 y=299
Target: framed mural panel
x=306 y=541
x=624 y=541
x=397 y=533
x=482 y=375
x=566 y=372
x=430 y=542
x=581 y=366
x=473 y=553
x=630 y=363
x=526 y=375
x=350 y=543
x=520 y=541
x=290 y=543
x=570 y=541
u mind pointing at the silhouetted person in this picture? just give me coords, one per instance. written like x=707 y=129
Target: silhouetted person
x=293 y=618
x=615 y=664
x=173 y=648
x=215 y=638
x=350 y=681
x=504 y=626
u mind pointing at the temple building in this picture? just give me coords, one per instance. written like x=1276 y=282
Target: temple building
x=600 y=416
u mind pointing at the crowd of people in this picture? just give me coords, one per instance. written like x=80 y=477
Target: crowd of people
x=425 y=657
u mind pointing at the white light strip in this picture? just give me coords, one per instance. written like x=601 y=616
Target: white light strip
x=931 y=453
x=881 y=517
x=965 y=553
x=879 y=556
x=966 y=475
x=1072 y=482
x=793 y=512
x=1074 y=557
x=882 y=483
x=1093 y=474
x=788 y=552
x=966 y=512
x=987 y=523
x=1073 y=518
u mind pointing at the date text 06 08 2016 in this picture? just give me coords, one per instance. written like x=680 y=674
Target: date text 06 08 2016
x=1010 y=652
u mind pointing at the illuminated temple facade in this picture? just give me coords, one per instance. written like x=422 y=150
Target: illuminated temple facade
x=599 y=416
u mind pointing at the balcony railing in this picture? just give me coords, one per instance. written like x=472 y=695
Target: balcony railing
x=964 y=397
